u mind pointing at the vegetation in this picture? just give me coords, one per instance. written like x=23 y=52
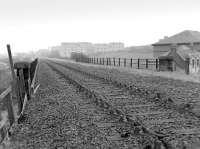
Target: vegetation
x=78 y=56
x=4 y=75
x=4 y=79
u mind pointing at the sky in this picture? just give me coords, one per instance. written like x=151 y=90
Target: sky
x=29 y=25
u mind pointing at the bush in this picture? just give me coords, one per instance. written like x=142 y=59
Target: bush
x=79 y=57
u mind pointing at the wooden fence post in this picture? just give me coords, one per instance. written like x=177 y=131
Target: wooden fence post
x=29 y=85
x=119 y=62
x=14 y=80
x=156 y=64
x=138 y=63
x=106 y=61
x=146 y=63
x=124 y=62
x=9 y=105
x=114 y=61
x=103 y=60
x=110 y=61
x=22 y=82
x=11 y=62
x=131 y=62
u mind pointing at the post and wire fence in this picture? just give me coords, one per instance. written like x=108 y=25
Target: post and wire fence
x=152 y=64
x=22 y=87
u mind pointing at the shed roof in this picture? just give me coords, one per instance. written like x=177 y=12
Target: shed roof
x=184 y=37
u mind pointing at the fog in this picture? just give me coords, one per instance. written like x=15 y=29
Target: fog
x=33 y=24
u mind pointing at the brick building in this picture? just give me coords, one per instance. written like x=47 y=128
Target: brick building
x=188 y=38
x=179 y=52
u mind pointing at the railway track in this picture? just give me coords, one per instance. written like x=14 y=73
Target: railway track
x=162 y=127
x=94 y=126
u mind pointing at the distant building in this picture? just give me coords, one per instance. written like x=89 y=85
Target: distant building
x=116 y=46
x=67 y=48
x=101 y=47
x=113 y=46
x=79 y=47
x=179 y=52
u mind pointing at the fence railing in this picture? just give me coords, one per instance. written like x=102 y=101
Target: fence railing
x=21 y=88
x=123 y=62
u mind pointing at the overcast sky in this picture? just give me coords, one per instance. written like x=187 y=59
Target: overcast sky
x=36 y=24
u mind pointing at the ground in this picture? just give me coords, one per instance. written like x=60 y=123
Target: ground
x=59 y=117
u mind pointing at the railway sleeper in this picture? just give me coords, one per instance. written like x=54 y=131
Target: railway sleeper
x=117 y=112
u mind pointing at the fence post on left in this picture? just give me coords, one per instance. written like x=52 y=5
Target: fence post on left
x=15 y=87
x=9 y=104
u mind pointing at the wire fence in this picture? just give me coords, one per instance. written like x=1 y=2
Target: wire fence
x=152 y=64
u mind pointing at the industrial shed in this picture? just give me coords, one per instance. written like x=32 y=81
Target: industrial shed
x=187 y=38
x=181 y=58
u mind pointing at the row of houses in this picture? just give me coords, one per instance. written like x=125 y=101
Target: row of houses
x=180 y=52
x=66 y=48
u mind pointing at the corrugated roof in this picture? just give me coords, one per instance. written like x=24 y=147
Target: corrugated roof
x=186 y=36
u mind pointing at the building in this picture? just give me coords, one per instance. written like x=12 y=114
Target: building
x=101 y=47
x=67 y=48
x=180 y=58
x=114 y=46
x=188 y=38
x=77 y=47
x=180 y=52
